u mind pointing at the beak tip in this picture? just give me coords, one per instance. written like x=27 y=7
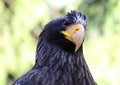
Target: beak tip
x=76 y=49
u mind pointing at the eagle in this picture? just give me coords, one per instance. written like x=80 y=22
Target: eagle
x=59 y=54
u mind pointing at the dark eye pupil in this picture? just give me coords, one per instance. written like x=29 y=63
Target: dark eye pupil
x=66 y=23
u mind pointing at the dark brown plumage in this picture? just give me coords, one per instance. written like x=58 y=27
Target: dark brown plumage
x=57 y=62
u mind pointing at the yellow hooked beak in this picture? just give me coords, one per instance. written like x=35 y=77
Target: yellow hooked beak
x=75 y=33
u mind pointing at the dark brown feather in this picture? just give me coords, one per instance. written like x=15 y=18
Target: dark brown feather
x=56 y=62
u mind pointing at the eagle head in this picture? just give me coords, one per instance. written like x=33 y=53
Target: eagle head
x=66 y=32
x=59 y=55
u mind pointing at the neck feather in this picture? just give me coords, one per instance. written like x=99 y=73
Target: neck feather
x=58 y=60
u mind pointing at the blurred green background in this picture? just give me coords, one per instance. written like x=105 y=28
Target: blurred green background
x=21 y=21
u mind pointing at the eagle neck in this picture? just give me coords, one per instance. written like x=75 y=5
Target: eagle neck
x=49 y=55
x=61 y=62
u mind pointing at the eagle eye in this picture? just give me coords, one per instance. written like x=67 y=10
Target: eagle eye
x=66 y=23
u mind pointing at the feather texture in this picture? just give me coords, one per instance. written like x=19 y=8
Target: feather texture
x=56 y=62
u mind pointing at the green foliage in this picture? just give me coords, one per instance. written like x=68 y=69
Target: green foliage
x=102 y=54
x=22 y=20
